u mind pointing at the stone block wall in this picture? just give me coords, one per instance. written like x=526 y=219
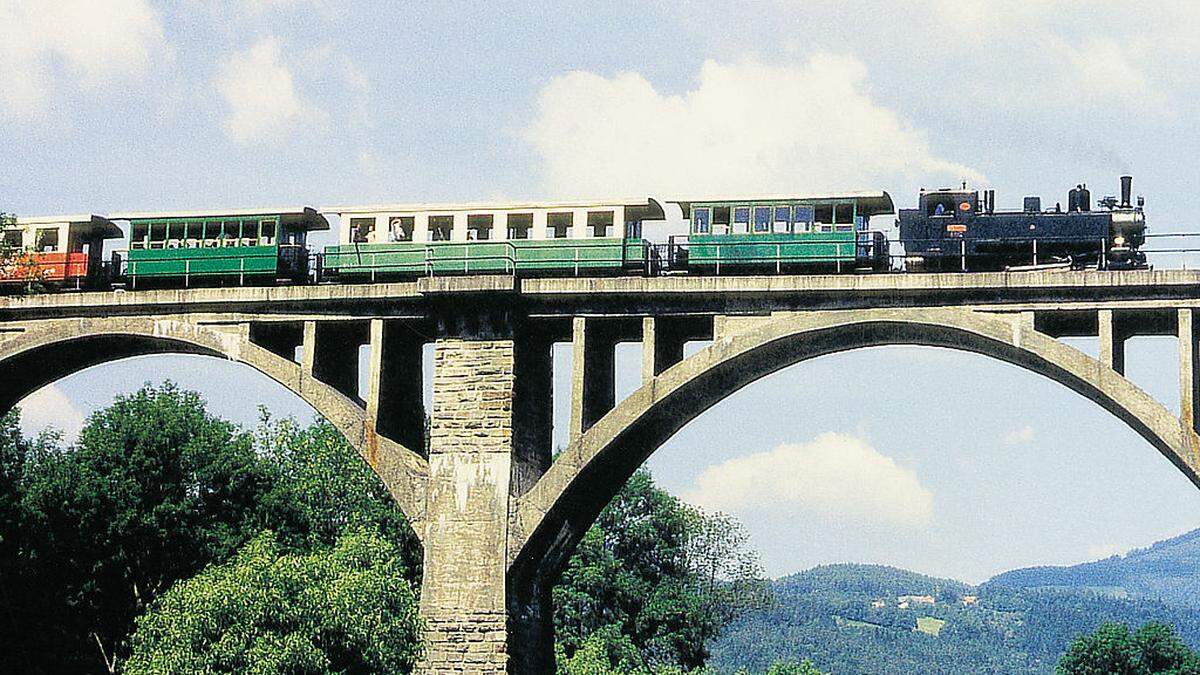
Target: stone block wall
x=470 y=464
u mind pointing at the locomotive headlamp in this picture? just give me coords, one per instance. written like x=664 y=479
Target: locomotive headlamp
x=1118 y=240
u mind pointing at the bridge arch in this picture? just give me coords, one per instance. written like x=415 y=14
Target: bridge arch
x=48 y=351
x=553 y=515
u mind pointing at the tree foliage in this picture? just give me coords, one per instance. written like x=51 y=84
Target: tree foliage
x=651 y=582
x=1153 y=649
x=322 y=487
x=347 y=609
x=154 y=490
x=159 y=505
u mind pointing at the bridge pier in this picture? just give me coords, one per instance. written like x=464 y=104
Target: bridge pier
x=477 y=618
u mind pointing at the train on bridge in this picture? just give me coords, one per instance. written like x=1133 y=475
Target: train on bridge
x=949 y=230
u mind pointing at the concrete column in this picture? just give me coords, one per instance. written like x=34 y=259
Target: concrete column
x=533 y=410
x=279 y=337
x=593 y=376
x=463 y=593
x=331 y=353
x=395 y=388
x=308 y=345
x=1029 y=320
x=648 y=344
x=1112 y=341
x=1189 y=376
x=662 y=345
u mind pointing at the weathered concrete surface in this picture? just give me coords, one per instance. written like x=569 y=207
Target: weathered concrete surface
x=636 y=295
x=558 y=509
x=37 y=353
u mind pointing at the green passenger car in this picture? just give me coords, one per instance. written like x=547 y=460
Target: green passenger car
x=781 y=234
x=367 y=261
x=244 y=247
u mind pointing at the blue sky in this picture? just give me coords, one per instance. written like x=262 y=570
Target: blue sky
x=941 y=462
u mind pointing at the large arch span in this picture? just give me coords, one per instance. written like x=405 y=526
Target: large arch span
x=49 y=350
x=558 y=509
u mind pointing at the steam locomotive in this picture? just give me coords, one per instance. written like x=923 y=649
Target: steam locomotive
x=956 y=230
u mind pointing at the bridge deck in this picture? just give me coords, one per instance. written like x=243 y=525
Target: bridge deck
x=630 y=295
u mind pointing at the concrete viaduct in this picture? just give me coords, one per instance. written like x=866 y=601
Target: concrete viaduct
x=498 y=518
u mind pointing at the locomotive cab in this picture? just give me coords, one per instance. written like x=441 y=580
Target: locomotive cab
x=950 y=205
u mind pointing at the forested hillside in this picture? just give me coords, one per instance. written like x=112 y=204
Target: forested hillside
x=872 y=619
x=1168 y=571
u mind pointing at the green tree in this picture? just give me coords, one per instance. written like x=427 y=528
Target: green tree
x=804 y=667
x=13 y=450
x=1112 y=649
x=645 y=577
x=324 y=487
x=14 y=592
x=154 y=489
x=347 y=609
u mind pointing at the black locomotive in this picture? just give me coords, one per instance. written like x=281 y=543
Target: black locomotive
x=956 y=230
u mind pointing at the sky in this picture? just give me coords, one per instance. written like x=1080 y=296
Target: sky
x=941 y=462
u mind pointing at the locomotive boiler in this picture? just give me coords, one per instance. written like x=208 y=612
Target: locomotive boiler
x=961 y=230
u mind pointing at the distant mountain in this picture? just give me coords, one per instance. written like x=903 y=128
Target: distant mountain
x=1168 y=571
x=876 y=619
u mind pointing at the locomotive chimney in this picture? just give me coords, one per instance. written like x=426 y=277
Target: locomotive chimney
x=1085 y=198
x=1126 y=191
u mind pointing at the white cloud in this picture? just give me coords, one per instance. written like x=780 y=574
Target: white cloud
x=745 y=127
x=95 y=41
x=1105 y=64
x=259 y=91
x=1104 y=68
x=1024 y=434
x=834 y=475
x=49 y=407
